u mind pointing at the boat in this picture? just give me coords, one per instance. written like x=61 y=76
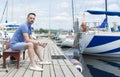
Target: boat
x=68 y=41
x=100 y=41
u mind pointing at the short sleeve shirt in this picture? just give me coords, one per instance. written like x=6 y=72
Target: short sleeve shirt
x=18 y=35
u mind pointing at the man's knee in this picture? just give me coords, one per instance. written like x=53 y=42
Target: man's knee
x=28 y=45
x=36 y=46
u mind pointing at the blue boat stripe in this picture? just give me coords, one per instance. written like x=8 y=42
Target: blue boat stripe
x=110 y=51
x=110 y=63
x=101 y=40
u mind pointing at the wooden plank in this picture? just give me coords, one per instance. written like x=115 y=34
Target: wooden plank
x=58 y=71
x=2 y=70
x=68 y=62
x=55 y=62
x=75 y=72
x=37 y=73
x=12 y=70
x=12 y=73
x=20 y=72
x=65 y=69
x=28 y=73
x=52 y=71
x=61 y=62
x=46 y=72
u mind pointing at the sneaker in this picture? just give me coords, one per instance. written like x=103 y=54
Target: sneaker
x=45 y=62
x=36 y=68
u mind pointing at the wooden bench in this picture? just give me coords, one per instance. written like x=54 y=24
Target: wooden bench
x=8 y=52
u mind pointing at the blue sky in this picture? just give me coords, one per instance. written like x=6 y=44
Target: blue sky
x=56 y=14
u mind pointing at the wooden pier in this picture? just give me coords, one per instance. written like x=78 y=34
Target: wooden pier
x=60 y=67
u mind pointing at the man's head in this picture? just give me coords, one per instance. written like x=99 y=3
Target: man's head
x=31 y=18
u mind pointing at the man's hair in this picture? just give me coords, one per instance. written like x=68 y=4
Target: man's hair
x=31 y=14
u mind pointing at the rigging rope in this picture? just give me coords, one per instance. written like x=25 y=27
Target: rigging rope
x=4 y=10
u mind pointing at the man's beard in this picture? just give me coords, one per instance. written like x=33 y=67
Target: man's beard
x=31 y=22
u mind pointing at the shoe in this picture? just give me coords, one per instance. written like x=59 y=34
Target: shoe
x=36 y=68
x=45 y=62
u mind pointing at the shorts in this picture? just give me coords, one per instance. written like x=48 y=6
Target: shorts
x=19 y=46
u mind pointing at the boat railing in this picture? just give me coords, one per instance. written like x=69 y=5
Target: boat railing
x=92 y=27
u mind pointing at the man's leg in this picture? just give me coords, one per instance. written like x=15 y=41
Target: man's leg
x=38 y=53
x=30 y=47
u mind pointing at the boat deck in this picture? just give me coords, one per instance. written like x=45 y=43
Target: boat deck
x=60 y=67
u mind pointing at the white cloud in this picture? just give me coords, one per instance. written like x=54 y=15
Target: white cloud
x=96 y=8
x=63 y=5
x=62 y=17
x=95 y=2
x=60 y=11
x=114 y=7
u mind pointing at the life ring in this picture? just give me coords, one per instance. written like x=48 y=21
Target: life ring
x=84 y=28
x=79 y=68
x=77 y=64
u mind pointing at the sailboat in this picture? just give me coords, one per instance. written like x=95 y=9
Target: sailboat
x=7 y=28
x=68 y=39
x=100 y=41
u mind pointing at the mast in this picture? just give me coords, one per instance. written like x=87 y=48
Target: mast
x=49 y=32
x=106 y=15
x=73 y=12
x=6 y=21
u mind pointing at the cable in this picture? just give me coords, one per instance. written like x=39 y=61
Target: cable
x=4 y=10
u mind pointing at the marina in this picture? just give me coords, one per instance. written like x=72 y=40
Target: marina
x=60 y=67
x=82 y=36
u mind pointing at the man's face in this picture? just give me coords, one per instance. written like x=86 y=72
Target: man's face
x=31 y=19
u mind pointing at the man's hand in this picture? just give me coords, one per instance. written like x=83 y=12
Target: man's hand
x=42 y=44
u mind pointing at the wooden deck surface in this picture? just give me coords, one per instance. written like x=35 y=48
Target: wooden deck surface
x=60 y=67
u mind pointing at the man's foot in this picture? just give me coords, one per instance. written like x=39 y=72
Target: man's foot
x=45 y=62
x=36 y=68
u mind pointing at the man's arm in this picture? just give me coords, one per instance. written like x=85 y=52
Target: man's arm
x=28 y=38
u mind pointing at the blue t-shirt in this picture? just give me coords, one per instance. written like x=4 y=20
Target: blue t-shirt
x=18 y=35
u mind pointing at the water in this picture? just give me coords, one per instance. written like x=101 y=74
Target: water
x=96 y=66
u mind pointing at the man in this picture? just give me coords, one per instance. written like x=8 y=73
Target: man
x=22 y=39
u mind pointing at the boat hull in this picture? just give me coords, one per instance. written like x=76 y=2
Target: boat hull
x=68 y=42
x=102 y=43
